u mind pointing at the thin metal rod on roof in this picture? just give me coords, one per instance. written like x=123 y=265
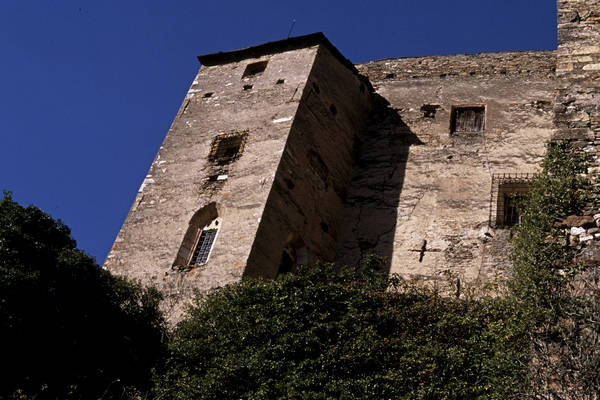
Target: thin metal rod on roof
x=291 y=27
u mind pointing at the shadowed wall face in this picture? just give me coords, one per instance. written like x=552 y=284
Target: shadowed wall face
x=421 y=195
x=301 y=222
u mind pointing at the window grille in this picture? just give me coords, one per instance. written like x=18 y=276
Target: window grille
x=507 y=190
x=468 y=119
x=227 y=147
x=511 y=212
x=204 y=245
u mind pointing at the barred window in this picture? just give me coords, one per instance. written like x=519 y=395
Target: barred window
x=468 y=119
x=511 y=212
x=507 y=191
x=227 y=147
x=199 y=238
x=204 y=245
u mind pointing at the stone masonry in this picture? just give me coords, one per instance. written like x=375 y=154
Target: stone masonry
x=285 y=154
x=577 y=110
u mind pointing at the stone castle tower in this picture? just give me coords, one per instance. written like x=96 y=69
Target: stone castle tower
x=286 y=153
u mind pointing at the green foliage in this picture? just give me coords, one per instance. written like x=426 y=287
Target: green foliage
x=323 y=333
x=69 y=329
x=559 y=298
x=541 y=259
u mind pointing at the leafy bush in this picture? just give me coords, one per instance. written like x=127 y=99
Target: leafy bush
x=560 y=299
x=323 y=334
x=542 y=262
x=69 y=329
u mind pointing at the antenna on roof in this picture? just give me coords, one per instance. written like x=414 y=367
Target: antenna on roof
x=291 y=27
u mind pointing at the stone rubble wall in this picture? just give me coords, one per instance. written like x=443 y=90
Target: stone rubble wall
x=577 y=107
x=539 y=64
x=422 y=195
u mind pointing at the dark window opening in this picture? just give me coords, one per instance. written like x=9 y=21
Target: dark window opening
x=290 y=185
x=390 y=76
x=429 y=110
x=468 y=119
x=508 y=191
x=225 y=148
x=511 y=210
x=318 y=166
x=294 y=254
x=208 y=94
x=324 y=227
x=205 y=243
x=255 y=69
x=286 y=265
x=248 y=87
x=333 y=110
x=280 y=81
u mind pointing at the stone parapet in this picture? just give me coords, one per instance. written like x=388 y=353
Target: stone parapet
x=531 y=63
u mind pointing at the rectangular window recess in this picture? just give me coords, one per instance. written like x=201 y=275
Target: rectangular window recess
x=255 y=69
x=227 y=147
x=204 y=245
x=467 y=119
x=507 y=191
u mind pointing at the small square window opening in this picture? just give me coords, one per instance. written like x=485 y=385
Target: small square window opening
x=255 y=69
x=227 y=147
x=468 y=119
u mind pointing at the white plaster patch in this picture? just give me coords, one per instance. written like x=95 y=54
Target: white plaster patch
x=221 y=177
x=279 y=120
x=586 y=238
x=577 y=231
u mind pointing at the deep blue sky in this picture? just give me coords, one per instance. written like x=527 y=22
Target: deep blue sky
x=88 y=89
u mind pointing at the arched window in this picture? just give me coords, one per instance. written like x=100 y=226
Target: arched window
x=199 y=238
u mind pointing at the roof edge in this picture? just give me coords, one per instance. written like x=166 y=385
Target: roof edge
x=292 y=43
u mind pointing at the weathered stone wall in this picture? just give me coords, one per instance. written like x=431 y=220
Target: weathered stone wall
x=306 y=202
x=578 y=71
x=322 y=178
x=182 y=180
x=577 y=110
x=540 y=64
x=422 y=196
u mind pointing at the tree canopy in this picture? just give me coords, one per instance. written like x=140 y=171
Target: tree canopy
x=69 y=329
